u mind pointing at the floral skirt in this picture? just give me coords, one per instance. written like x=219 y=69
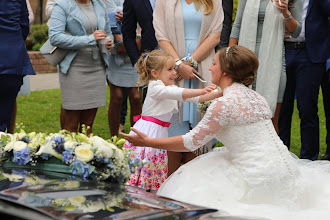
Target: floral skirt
x=151 y=170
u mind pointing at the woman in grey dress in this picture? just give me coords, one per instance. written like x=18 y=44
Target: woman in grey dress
x=80 y=25
x=121 y=75
x=291 y=18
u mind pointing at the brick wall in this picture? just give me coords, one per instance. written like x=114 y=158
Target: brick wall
x=39 y=63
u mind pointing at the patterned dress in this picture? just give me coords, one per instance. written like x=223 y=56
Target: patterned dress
x=160 y=104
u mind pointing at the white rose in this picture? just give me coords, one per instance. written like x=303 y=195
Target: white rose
x=84 y=153
x=19 y=145
x=70 y=144
x=103 y=147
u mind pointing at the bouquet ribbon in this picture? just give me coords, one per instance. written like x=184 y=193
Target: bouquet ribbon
x=152 y=119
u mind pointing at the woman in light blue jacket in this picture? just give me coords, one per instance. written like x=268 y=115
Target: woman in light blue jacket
x=80 y=26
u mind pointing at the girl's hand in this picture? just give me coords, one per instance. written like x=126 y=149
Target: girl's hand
x=99 y=35
x=140 y=139
x=209 y=88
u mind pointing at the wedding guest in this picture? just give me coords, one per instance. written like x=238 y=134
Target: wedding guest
x=156 y=69
x=227 y=6
x=305 y=60
x=25 y=88
x=14 y=59
x=253 y=175
x=265 y=36
x=83 y=70
x=189 y=30
x=49 y=8
x=121 y=75
x=138 y=12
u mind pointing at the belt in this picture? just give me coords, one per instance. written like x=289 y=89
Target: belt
x=152 y=119
x=295 y=45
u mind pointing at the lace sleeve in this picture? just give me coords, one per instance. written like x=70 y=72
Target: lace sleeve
x=239 y=105
x=207 y=128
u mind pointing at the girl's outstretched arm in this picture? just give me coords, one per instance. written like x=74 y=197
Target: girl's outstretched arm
x=170 y=144
x=189 y=93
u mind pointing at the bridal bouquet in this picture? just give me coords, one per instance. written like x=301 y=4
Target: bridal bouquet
x=75 y=153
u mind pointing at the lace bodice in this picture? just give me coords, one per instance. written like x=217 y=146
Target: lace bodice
x=241 y=121
x=239 y=105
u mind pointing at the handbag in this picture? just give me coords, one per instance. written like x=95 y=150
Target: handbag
x=114 y=24
x=54 y=55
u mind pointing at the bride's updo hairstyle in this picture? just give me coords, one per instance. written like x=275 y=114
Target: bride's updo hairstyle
x=240 y=63
x=154 y=60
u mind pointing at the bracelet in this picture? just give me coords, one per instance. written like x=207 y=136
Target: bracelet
x=119 y=42
x=138 y=36
x=288 y=18
x=193 y=62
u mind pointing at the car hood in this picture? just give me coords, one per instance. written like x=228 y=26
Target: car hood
x=60 y=196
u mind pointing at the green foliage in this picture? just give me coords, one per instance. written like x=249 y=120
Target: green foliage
x=37 y=47
x=38 y=36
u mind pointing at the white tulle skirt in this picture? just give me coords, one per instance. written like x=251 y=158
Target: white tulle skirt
x=211 y=180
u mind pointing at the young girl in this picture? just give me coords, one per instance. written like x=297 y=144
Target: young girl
x=157 y=70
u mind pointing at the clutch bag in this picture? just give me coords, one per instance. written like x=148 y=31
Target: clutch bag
x=114 y=24
x=54 y=55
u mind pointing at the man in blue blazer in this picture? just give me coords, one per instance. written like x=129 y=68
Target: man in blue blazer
x=305 y=61
x=14 y=59
x=138 y=12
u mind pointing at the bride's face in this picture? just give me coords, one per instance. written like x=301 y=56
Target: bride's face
x=216 y=70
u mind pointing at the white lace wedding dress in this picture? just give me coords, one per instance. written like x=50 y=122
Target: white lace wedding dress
x=254 y=174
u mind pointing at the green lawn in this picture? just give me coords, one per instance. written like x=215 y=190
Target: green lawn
x=40 y=111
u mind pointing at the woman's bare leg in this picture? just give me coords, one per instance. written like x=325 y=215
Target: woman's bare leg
x=116 y=99
x=135 y=100
x=71 y=120
x=87 y=118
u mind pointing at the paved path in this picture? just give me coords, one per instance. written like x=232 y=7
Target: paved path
x=44 y=81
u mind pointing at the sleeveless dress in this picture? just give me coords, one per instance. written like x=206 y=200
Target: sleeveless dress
x=254 y=174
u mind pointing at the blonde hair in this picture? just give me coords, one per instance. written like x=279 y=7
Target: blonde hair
x=154 y=60
x=240 y=63
x=208 y=5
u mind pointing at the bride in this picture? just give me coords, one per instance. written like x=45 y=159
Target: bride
x=254 y=174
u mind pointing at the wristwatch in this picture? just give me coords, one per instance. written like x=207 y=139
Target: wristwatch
x=177 y=63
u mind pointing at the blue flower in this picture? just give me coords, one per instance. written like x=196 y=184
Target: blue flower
x=22 y=157
x=45 y=156
x=81 y=168
x=59 y=144
x=67 y=155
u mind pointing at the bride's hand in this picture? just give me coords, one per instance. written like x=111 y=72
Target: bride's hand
x=140 y=139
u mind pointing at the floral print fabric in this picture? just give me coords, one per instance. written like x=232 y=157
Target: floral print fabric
x=152 y=172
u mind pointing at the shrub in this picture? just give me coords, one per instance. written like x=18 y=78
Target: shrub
x=38 y=36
